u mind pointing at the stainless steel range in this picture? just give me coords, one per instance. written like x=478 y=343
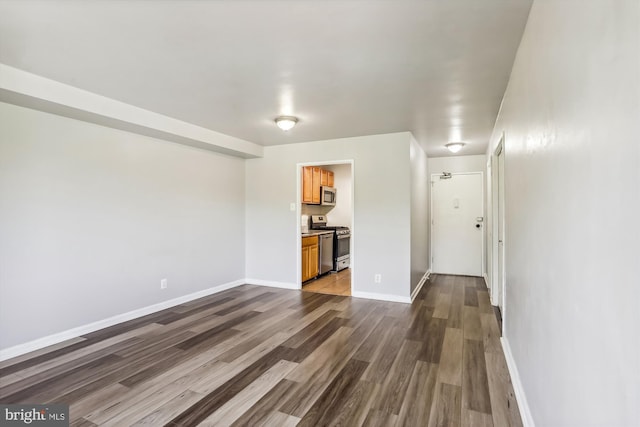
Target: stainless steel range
x=341 y=241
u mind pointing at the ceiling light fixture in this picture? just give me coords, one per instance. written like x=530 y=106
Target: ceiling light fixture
x=454 y=147
x=286 y=122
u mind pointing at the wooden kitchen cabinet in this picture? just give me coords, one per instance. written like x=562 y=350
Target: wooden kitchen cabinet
x=326 y=179
x=307 y=184
x=316 y=177
x=311 y=181
x=309 y=257
x=313 y=178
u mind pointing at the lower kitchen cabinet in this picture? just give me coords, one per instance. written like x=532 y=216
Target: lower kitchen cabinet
x=309 y=257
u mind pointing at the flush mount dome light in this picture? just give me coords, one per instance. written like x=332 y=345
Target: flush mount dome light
x=286 y=122
x=454 y=147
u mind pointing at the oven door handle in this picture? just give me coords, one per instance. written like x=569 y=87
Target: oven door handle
x=344 y=236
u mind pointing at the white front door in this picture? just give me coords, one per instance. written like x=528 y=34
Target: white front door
x=457 y=224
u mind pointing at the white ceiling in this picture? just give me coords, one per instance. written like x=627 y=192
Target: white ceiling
x=437 y=68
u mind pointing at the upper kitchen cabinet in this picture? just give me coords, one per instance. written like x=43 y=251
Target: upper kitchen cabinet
x=311 y=182
x=313 y=179
x=326 y=178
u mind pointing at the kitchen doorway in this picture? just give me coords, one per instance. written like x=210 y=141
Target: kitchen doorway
x=325 y=224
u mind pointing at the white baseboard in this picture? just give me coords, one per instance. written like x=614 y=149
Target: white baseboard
x=269 y=283
x=381 y=297
x=523 y=405
x=421 y=283
x=39 y=343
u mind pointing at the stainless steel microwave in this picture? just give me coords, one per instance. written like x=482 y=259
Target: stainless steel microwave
x=328 y=196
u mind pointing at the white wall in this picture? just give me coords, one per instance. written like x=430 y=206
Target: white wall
x=458 y=164
x=381 y=223
x=419 y=214
x=571 y=118
x=92 y=218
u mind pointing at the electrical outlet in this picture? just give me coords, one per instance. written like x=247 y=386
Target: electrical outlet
x=377 y=278
x=292 y=207
x=163 y=284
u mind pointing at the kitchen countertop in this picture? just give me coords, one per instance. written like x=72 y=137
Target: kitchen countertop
x=316 y=233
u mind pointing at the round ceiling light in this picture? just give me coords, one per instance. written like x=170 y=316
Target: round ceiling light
x=286 y=122
x=454 y=147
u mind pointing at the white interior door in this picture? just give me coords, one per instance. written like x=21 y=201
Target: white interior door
x=457 y=223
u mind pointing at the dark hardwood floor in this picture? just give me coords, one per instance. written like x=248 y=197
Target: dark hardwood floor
x=254 y=356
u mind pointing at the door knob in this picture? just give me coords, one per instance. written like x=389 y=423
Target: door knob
x=477 y=225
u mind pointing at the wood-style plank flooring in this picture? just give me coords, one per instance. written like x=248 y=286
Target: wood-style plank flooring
x=255 y=356
x=332 y=283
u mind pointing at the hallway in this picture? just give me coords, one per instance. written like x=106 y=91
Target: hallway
x=262 y=356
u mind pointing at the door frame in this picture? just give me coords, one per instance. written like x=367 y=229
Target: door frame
x=484 y=221
x=298 y=210
x=498 y=222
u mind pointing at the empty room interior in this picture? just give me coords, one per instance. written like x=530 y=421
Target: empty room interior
x=314 y=213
